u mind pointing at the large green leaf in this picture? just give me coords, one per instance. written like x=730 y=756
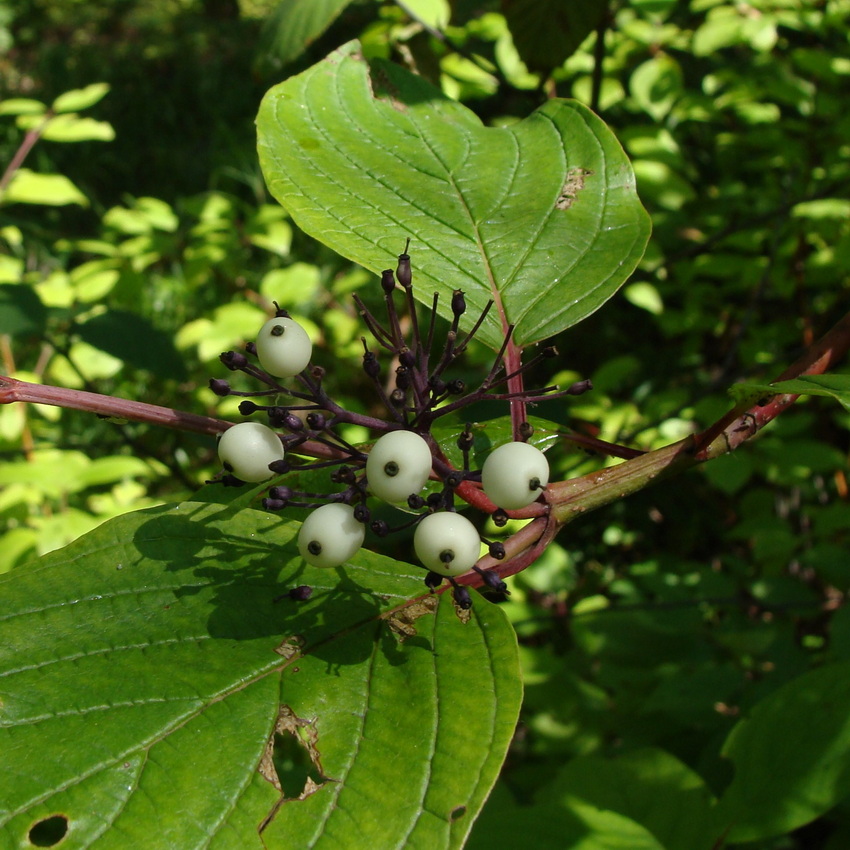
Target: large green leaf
x=791 y=757
x=648 y=786
x=566 y=823
x=541 y=216
x=145 y=672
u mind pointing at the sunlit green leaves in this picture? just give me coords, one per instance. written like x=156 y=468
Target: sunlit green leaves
x=54 y=190
x=540 y=216
x=161 y=667
x=78 y=99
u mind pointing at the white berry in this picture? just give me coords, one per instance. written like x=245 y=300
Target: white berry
x=283 y=347
x=330 y=535
x=398 y=466
x=447 y=543
x=247 y=449
x=514 y=475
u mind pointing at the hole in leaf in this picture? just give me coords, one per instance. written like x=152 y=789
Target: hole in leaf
x=292 y=765
x=49 y=832
x=458 y=813
x=292 y=762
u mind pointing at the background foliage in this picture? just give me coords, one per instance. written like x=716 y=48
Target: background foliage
x=655 y=626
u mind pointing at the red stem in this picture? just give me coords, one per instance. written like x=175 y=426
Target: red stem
x=22 y=152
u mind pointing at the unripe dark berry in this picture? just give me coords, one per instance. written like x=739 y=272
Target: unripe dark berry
x=458 y=303
x=219 y=387
x=387 y=281
x=234 y=360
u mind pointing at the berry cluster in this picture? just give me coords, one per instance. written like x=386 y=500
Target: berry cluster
x=303 y=433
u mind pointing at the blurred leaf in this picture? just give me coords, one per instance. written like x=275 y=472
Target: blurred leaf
x=723 y=27
x=541 y=215
x=18 y=543
x=159 y=667
x=563 y=824
x=779 y=788
x=294 y=25
x=823 y=208
x=659 y=183
x=434 y=13
x=133 y=339
x=145 y=216
x=645 y=296
x=79 y=99
x=546 y=32
x=648 y=786
x=729 y=472
x=21 y=311
x=95 y=279
x=22 y=106
x=28 y=187
x=292 y=287
x=69 y=128
x=231 y=325
x=832 y=386
x=657 y=84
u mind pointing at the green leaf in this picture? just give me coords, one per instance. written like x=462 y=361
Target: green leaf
x=79 y=99
x=541 y=216
x=434 y=13
x=832 y=386
x=133 y=339
x=148 y=662
x=547 y=32
x=294 y=25
x=22 y=106
x=791 y=757
x=822 y=208
x=645 y=296
x=21 y=311
x=72 y=128
x=567 y=823
x=648 y=786
x=27 y=187
x=491 y=434
x=657 y=84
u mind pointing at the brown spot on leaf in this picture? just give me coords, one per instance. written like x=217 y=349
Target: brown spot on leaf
x=290 y=647
x=401 y=621
x=572 y=186
x=463 y=614
x=384 y=89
